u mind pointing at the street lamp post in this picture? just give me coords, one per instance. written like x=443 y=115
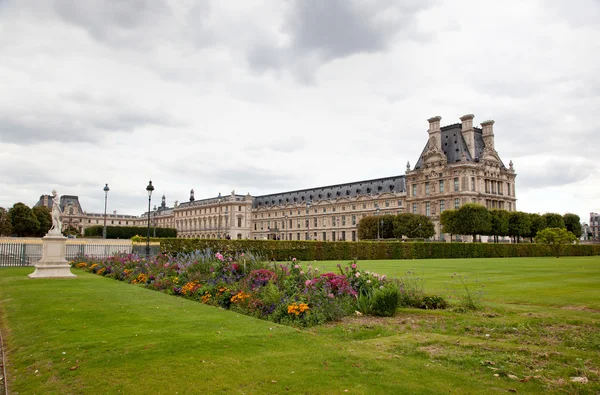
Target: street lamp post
x=149 y=189
x=154 y=220
x=106 y=189
x=378 y=209
x=308 y=204
x=219 y=217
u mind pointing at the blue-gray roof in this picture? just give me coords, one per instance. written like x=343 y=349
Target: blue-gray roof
x=454 y=145
x=352 y=189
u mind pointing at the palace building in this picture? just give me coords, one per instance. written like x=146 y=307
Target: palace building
x=458 y=165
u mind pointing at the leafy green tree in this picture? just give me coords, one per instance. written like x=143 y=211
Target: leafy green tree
x=473 y=219
x=519 y=224
x=554 y=220
x=367 y=228
x=538 y=223
x=556 y=239
x=573 y=224
x=401 y=224
x=499 y=224
x=419 y=226
x=448 y=222
x=23 y=220
x=386 y=226
x=44 y=217
x=5 y=224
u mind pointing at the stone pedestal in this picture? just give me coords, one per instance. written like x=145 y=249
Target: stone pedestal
x=53 y=262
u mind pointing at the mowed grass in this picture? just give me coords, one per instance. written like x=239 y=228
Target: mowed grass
x=540 y=327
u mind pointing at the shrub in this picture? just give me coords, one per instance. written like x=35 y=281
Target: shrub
x=433 y=302
x=385 y=300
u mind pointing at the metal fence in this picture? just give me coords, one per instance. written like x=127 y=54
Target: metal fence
x=27 y=252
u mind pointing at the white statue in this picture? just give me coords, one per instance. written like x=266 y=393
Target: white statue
x=56 y=222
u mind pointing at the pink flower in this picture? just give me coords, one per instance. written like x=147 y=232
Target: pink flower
x=242 y=254
x=357 y=274
x=296 y=266
x=307 y=283
x=353 y=266
x=330 y=295
x=293 y=259
x=301 y=272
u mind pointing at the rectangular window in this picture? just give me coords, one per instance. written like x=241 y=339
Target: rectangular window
x=427 y=188
x=297 y=236
x=456 y=184
x=414 y=189
x=324 y=209
x=442 y=208
x=354 y=220
x=343 y=220
x=239 y=208
x=316 y=222
x=456 y=203
x=508 y=189
x=354 y=207
x=332 y=236
x=441 y=186
x=324 y=236
x=399 y=203
x=364 y=205
x=353 y=235
x=343 y=235
x=333 y=209
x=473 y=184
x=414 y=208
x=427 y=209
x=240 y=222
x=305 y=235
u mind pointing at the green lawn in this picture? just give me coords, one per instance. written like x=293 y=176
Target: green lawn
x=96 y=335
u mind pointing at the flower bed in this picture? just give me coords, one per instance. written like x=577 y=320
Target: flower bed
x=288 y=293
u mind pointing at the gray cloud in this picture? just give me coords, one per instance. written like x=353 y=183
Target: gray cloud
x=119 y=23
x=90 y=122
x=320 y=31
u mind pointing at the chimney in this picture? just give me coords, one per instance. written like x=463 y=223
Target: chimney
x=468 y=133
x=192 y=196
x=435 y=133
x=488 y=134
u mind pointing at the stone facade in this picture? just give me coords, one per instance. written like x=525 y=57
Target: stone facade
x=594 y=226
x=458 y=165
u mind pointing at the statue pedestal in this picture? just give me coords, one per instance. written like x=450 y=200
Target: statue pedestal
x=53 y=262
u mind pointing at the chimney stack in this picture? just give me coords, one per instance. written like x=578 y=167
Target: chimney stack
x=435 y=133
x=468 y=132
x=488 y=133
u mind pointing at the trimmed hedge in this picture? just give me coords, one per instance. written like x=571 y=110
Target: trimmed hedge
x=127 y=232
x=281 y=250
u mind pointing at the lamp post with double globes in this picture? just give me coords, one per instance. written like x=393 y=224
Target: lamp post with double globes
x=106 y=189
x=308 y=204
x=149 y=189
x=377 y=213
x=219 y=216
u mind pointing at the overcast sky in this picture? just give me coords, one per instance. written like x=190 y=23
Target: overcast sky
x=271 y=96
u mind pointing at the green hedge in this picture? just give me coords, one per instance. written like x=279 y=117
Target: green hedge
x=327 y=250
x=127 y=232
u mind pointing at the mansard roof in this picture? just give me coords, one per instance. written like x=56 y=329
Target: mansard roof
x=213 y=200
x=66 y=200
x=352 y=189
x=455 y=146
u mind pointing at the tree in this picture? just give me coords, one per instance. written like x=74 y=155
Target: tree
x=367 y=228
x=538 y=223
x=554 y=220
x=44 y=217
x=386 y=226
x=23 y=221
x=473 y=219
x=401 y=224
x=556 y=239
x=499 y=224
x=448 y=221
x=573 y=224
x=5 y=224
x=519 y=224
x=419 y=226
